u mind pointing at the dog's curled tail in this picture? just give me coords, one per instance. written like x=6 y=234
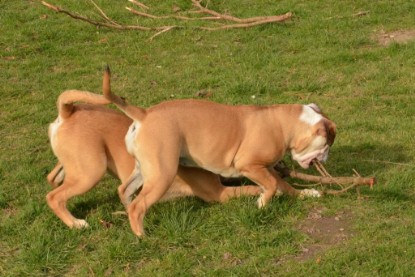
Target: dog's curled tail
x=135 y=113
x=67 y=99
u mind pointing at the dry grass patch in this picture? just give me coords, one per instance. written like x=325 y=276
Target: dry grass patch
x=399 y=36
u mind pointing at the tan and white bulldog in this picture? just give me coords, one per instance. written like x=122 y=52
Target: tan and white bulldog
x=231 y=141
x=89 y=139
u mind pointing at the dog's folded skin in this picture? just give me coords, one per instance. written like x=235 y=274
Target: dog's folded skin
x=228 y=140
x=88 y=140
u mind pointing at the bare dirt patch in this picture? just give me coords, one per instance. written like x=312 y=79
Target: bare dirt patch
x=9 y=212
x=324 y=231
x=399 y=36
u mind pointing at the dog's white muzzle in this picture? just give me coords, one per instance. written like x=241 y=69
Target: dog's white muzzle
x=304 y=160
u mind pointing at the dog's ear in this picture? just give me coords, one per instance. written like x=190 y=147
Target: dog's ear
x=331 y=131
x=315 y=108
x=327 y=129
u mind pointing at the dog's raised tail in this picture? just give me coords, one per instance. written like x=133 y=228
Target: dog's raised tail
x=66 y=100
x=135 y=113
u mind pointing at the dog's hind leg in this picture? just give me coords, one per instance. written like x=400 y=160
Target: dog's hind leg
x=127 y=189
x=158 y=176
x=72 y=186
x=206 y=185
x=159 y=160
x=233 y=192
x=153 y=190
x=56 y=176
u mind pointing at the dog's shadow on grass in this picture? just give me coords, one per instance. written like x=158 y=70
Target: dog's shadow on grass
x=379 y=160
x=369 y=157
x=86 y=204
x=110 y=203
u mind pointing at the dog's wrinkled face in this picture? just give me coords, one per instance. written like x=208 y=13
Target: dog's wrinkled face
x=316 y=140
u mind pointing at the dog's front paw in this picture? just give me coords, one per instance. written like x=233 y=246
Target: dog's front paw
x=309 y=193
x=80 y=224
x=260 y=202
x=278 y=193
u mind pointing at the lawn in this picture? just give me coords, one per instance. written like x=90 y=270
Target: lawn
x=328 y=53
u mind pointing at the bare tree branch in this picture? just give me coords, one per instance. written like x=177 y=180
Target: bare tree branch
x=327 y=179
x=264 y=19
x=111 y=24
x=143 y=14
x=159 y=33
x=213 y=15
x=273 y=19
x=103 y=14
x=141 y=5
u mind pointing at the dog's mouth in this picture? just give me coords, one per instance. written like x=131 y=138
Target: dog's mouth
x=306 y=163
x=306 y=160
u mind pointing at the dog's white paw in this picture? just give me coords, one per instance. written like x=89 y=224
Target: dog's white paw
x=260 y=202
x=80 y=224
x=309 y=193
x=278 y=193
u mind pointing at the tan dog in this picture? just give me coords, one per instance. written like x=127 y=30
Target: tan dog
x=89 y=139
x=232 y=141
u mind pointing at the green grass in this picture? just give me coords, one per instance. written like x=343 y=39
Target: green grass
x=324 y=55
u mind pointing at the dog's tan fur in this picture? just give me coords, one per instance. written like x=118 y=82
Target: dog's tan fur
x=89 y=139
x=231 y=141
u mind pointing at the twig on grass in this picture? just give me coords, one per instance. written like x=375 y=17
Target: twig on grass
x=327 y=179
x=141 y=5
x=102 y=13
x=213 y=15
x=265 y=19
x=241 y=22
x=99 y=23
x=250 y=24
x=159 y=33
x=179 y=17
x=358 y=14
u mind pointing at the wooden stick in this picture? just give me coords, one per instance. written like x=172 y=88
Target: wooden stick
x=103 y=14
x=242 y=23
x=272 y=18
x=159 y=33
x=279 y=18
x=111 y=24
x=321 y=169
x=319 y=181
x=358 y=180
x=143 y=14
x=324 y=172
x=141 y=5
